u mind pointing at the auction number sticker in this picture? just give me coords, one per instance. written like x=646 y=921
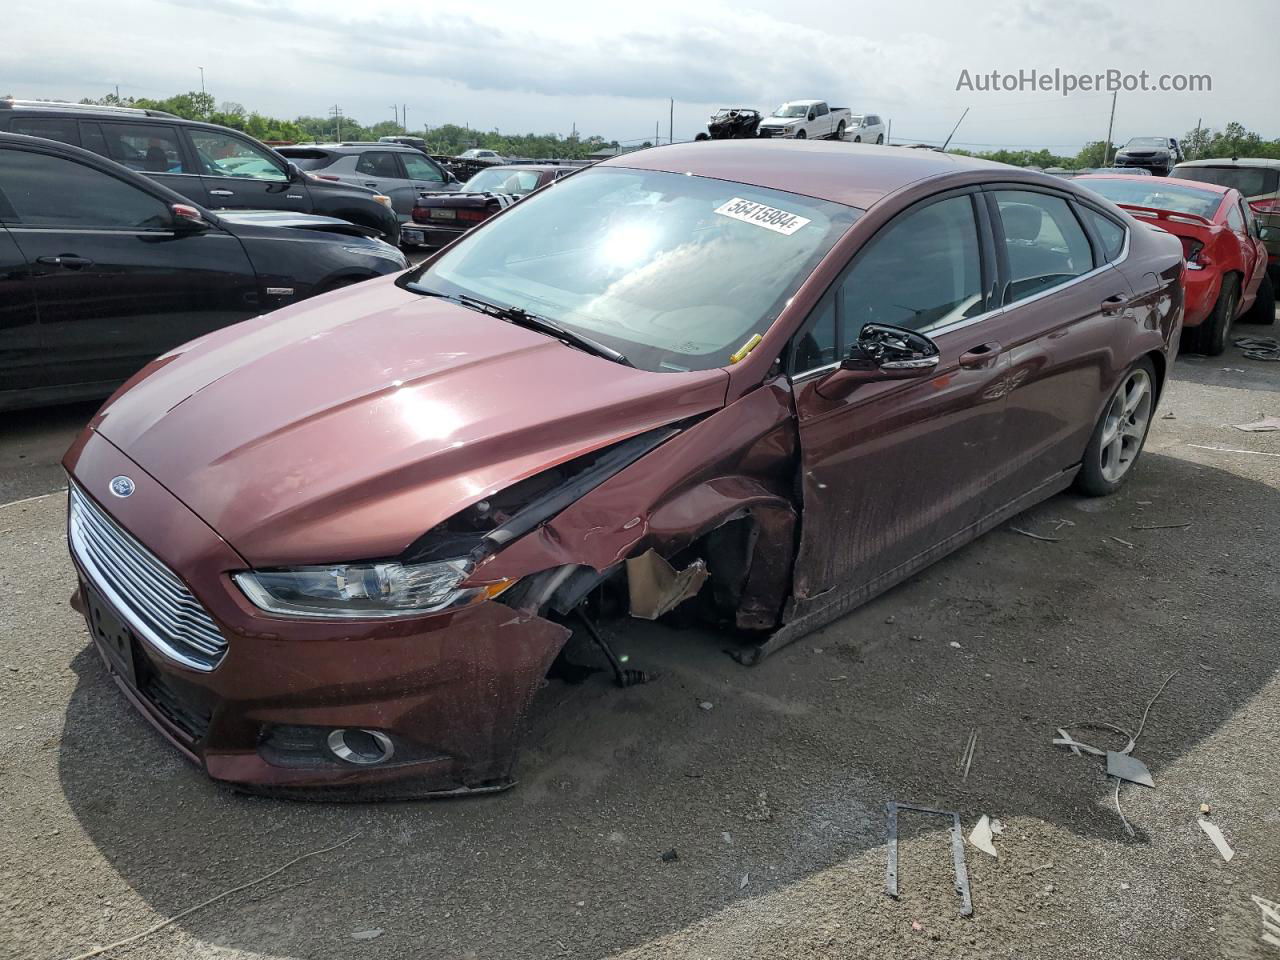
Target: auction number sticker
x=771 y=218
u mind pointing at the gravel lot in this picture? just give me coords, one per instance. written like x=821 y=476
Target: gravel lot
x=773 y=798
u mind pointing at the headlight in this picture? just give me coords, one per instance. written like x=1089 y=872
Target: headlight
x=383 y=199
x=362 y=590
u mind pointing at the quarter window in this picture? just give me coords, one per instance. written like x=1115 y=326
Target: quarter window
x=1109 y=232
x=51 y=128
x=222 y=155
x=921 y=272
x=49 y=191
x=1234 y=220
x=147 y=148
x=1045 y=244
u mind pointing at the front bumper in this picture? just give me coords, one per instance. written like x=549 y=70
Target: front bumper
x=451 y=690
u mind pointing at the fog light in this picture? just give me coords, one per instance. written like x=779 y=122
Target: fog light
x=361 y=747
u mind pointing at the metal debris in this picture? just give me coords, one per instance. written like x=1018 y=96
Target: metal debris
x=1125 y=767
x=1219 y=841
x=1035 y=536
x=966 y=756
x=367 y=934
x=1265 y=425
x=1162 y=526
x=1125 y=542
x=957 y=852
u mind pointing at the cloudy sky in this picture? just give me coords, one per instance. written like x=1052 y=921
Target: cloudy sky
x=523 y=65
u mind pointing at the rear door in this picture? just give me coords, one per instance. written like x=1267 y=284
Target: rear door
x=425 y=175
x=154 y=149
x=899 y=467
x=240 y=174
x=1063 y=303
x=114 y=283
x=380 y=170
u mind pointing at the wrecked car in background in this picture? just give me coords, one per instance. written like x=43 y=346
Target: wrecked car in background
x=340 y=548
x=1226 y=274
x=732 y=123
x=439 y=218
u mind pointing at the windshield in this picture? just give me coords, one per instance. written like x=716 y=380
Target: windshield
x=792 y=110
x=676 y=272
x=1253 y=182
x=498 y=180
x=1147 y=143
x=1156 y=193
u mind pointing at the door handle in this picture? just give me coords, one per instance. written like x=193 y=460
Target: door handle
x=980 y=356
x=68 y=260
x=222 y=193
x=371 y=183
x=1116 y=304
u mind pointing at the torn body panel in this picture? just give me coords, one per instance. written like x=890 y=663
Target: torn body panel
x=737 y=463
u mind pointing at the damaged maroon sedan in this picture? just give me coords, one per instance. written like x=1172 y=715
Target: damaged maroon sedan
x=339 y=547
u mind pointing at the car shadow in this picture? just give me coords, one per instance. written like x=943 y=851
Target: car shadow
x=775 y=772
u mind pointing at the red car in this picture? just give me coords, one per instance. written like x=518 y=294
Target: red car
x=339 y=547
x=1226 y=258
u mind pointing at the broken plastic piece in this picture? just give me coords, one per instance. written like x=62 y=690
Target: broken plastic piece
x=1265 y=425
x=980 y=836
x=1128 y=768
x=656 y=587
x=1218 y=839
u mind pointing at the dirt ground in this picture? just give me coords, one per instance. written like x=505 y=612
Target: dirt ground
x=773 y=799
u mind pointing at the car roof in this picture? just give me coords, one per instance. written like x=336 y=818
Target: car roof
x=535 y=167
x=850 y=173
x=349 y=147
x=1155 y=181
x=1232 y=162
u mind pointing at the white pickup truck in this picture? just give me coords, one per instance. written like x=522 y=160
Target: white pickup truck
x=805 y=119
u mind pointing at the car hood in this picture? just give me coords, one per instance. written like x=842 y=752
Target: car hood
x=345 y=427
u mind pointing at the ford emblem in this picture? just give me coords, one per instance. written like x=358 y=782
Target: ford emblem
x=122 y=487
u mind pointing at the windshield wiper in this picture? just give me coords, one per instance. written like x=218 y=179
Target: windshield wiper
x=532 y=321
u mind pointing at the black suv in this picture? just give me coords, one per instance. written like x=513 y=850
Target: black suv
x=216 y=167
x=102 y=269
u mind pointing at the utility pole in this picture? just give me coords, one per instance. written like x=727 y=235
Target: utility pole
x=888 y=134
x=336 y=113
x=1197 y=156
x=396 y=110
x=201 y=69
x=671 y=121
x=1106 y=147
x=404 y=117
x=657 y=140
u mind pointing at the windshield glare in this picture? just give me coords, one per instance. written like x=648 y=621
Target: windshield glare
x=792 y=110
x=498 y=180
x=677 y=272
x=1155 y=193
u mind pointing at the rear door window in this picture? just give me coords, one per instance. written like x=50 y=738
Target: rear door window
x=1044 y=243
x=145 y=147
x=379 y=164
x=47 y=191
x=51 y=128
x=91 y=138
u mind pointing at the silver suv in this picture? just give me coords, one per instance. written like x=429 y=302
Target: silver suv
x=400 y=172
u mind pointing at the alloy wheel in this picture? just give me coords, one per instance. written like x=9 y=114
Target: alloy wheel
x=1125 y=425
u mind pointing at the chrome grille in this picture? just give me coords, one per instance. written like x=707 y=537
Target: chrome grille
x=153 y=601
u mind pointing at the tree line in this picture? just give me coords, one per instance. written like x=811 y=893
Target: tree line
x=450 y=139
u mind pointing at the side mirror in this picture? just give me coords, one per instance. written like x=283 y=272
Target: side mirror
x=187 y=219
x=812 y=115
x=882 y=352
x=293 y=172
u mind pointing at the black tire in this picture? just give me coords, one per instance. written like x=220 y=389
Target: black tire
x=857 y=138
x=1092 y=480
x=840 y=131
x=880 y=138
x=800 y=134
x=1211 y=338
x=1264 y=307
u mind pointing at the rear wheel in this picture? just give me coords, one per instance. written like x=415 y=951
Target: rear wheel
x=1120 y=433
x=1211 y=339
x=1264 y=307
x=840 y=131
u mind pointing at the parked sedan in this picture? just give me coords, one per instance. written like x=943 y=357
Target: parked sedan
x=802 y=372
x=439 y=218
x=102 y=269
x=1226 y=275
